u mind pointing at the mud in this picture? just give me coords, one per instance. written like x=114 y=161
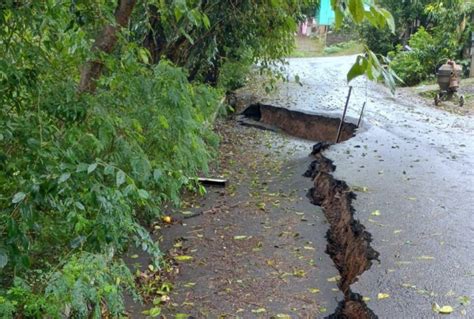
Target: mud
x=348 y=241
x=300 y=124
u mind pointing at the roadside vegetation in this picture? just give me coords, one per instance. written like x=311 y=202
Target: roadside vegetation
x=107 y=114
x=427 y=33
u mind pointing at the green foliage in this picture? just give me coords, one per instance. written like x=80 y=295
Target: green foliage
x=87 y=284
x=359 y=12
x=445 y=39
x=416 y=65
x=406 y=15
x=79 y=174
x=434 y=29
x=355 y=10
x=246 y=32
x=381 y=41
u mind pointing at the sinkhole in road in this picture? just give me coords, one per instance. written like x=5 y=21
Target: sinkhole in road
x=309 y=126
x=348 y=243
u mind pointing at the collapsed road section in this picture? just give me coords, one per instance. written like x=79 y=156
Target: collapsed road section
x=314 y=127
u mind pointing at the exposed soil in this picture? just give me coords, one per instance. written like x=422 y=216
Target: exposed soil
x=304 y=125
x=348 y=241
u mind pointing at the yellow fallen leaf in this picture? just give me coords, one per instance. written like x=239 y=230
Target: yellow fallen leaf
x=183 y=258
x=376 y=213
x=314 y=290
x=282 y=316
x=259 y=310
x=381 y=296
x=334 y=279
x=240 y=237
x=397 y=231
x=426 y=258
x=366 y=299
x=443 y=310
x=446 y=309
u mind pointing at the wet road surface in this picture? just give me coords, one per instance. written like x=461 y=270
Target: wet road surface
x=414 y=165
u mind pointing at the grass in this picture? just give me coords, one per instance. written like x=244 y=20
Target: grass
x=307 y=47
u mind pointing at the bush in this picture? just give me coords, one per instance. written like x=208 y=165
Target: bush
x=381 y=41
x=79 y=174
x=420 y=63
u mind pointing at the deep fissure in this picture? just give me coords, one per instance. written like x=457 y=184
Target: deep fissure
x=348 y=242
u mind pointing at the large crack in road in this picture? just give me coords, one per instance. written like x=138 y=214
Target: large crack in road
x=348 y=241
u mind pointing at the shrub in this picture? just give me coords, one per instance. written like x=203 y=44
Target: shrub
x=420 y=63
x=79 y=173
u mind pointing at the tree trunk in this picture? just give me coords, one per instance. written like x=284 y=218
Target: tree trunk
x=471 y=74
x=105 y=42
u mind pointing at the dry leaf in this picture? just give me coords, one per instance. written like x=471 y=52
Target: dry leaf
x=376 y=213
x=183 y=258
x=381 y=296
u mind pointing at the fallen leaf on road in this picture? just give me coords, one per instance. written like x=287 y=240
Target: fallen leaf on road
x=443 y=310
x=314 y=290
x=259 y=310
x=464 y=300
x=376 y=213
x=381 y=296
x=362 y=189
x=426 y=258
x=334 y=279
x=240 y=237
x=183 y=258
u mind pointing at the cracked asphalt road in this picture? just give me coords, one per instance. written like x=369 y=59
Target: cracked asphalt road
x=415 y=163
